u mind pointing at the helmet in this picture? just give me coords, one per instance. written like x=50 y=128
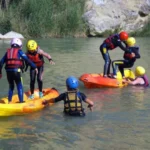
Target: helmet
x=131 y=41
x=72 y=82
x=16 y=42
x=123 y=36
x=31 y=45
x=139 y=71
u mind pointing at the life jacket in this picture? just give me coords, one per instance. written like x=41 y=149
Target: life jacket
x=128 y=55
x=12 y=60
x=73 y=104
x=109 y=41
x=145 y=78
x=36 y=58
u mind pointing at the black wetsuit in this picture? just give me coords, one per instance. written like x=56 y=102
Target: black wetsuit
x=128 y=61
x=109 y=44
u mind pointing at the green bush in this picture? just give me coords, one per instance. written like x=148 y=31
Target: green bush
x=46 y=17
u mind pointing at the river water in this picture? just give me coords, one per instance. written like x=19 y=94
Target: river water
x=121 y=116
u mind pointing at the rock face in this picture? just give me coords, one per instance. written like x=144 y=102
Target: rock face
x=11 y=35
x=111 y=15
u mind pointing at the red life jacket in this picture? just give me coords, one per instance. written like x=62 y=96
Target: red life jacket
x=109 y=42
x=128 y=56
x=36 y=59
x=12 y=60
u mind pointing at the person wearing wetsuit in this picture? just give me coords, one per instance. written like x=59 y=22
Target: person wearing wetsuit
x=111 y=43
x=73 y=98
x=13 y=59
x=37 y=55
x=141 y=78
x=129 y=58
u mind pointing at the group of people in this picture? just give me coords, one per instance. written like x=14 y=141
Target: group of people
x=16 y=61
x=131 y=53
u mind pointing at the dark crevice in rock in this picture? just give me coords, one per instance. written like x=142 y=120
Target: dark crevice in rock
x=142 y=14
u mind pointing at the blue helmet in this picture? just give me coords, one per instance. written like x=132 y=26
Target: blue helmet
x=72 y=82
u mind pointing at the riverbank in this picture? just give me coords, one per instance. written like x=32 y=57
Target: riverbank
x=53 y=18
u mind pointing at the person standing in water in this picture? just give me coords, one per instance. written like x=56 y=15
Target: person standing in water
x=73 y=98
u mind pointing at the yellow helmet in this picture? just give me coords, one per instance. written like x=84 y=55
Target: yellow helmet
x=31 y=45
x=131 y=41
x=139 y=71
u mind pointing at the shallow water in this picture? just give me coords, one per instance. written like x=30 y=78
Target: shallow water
x=121 y=116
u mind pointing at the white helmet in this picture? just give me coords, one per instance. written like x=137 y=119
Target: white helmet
x=16 y=41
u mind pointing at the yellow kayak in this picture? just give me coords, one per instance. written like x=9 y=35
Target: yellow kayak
x=29 y=106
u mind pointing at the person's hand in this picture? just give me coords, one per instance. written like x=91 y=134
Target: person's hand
x=90 y=107
x=36 y=70
x=0 y=76
x=52 y=62
x=124 y=81
x=133 y=55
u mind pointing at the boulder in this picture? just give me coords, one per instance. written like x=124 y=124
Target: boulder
x=114 y=15
x=1 y=36
x=12 y=34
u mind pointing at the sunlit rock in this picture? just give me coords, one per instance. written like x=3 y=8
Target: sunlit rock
x=13 y=34
x=112 y=15
x=1 y=36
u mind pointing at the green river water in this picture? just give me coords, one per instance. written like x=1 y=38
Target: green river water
x=121 y=116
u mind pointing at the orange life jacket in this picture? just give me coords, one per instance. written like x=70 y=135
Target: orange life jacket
x=12 y=59
x=36 y=58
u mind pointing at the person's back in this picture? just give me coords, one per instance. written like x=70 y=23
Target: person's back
x=13 y=59
x=73 y=98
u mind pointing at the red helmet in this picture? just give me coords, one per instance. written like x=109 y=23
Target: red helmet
x=123 y=36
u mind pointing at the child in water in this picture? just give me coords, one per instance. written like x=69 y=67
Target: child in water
x=73 y=99
x=141 y=78
x=35 y=54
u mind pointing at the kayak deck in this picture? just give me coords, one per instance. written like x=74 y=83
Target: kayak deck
x=29 y=106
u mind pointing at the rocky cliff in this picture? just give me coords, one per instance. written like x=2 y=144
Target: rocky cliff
x=116 y=15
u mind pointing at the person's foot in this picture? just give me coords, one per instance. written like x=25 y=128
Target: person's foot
x=105 y=76
x=31 y=96
x=40 y=94
x=114 y=77
x=110 y=75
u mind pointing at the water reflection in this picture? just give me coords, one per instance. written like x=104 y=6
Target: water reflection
x=120 y=119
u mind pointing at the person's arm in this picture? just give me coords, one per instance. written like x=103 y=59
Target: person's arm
x=87 y=100
x=59 y=98
x=137 y=81
x=91 y=104
x=24 y=57
x=136 y=51
x=2 y=61
x=119 y=43
x=41 y=52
